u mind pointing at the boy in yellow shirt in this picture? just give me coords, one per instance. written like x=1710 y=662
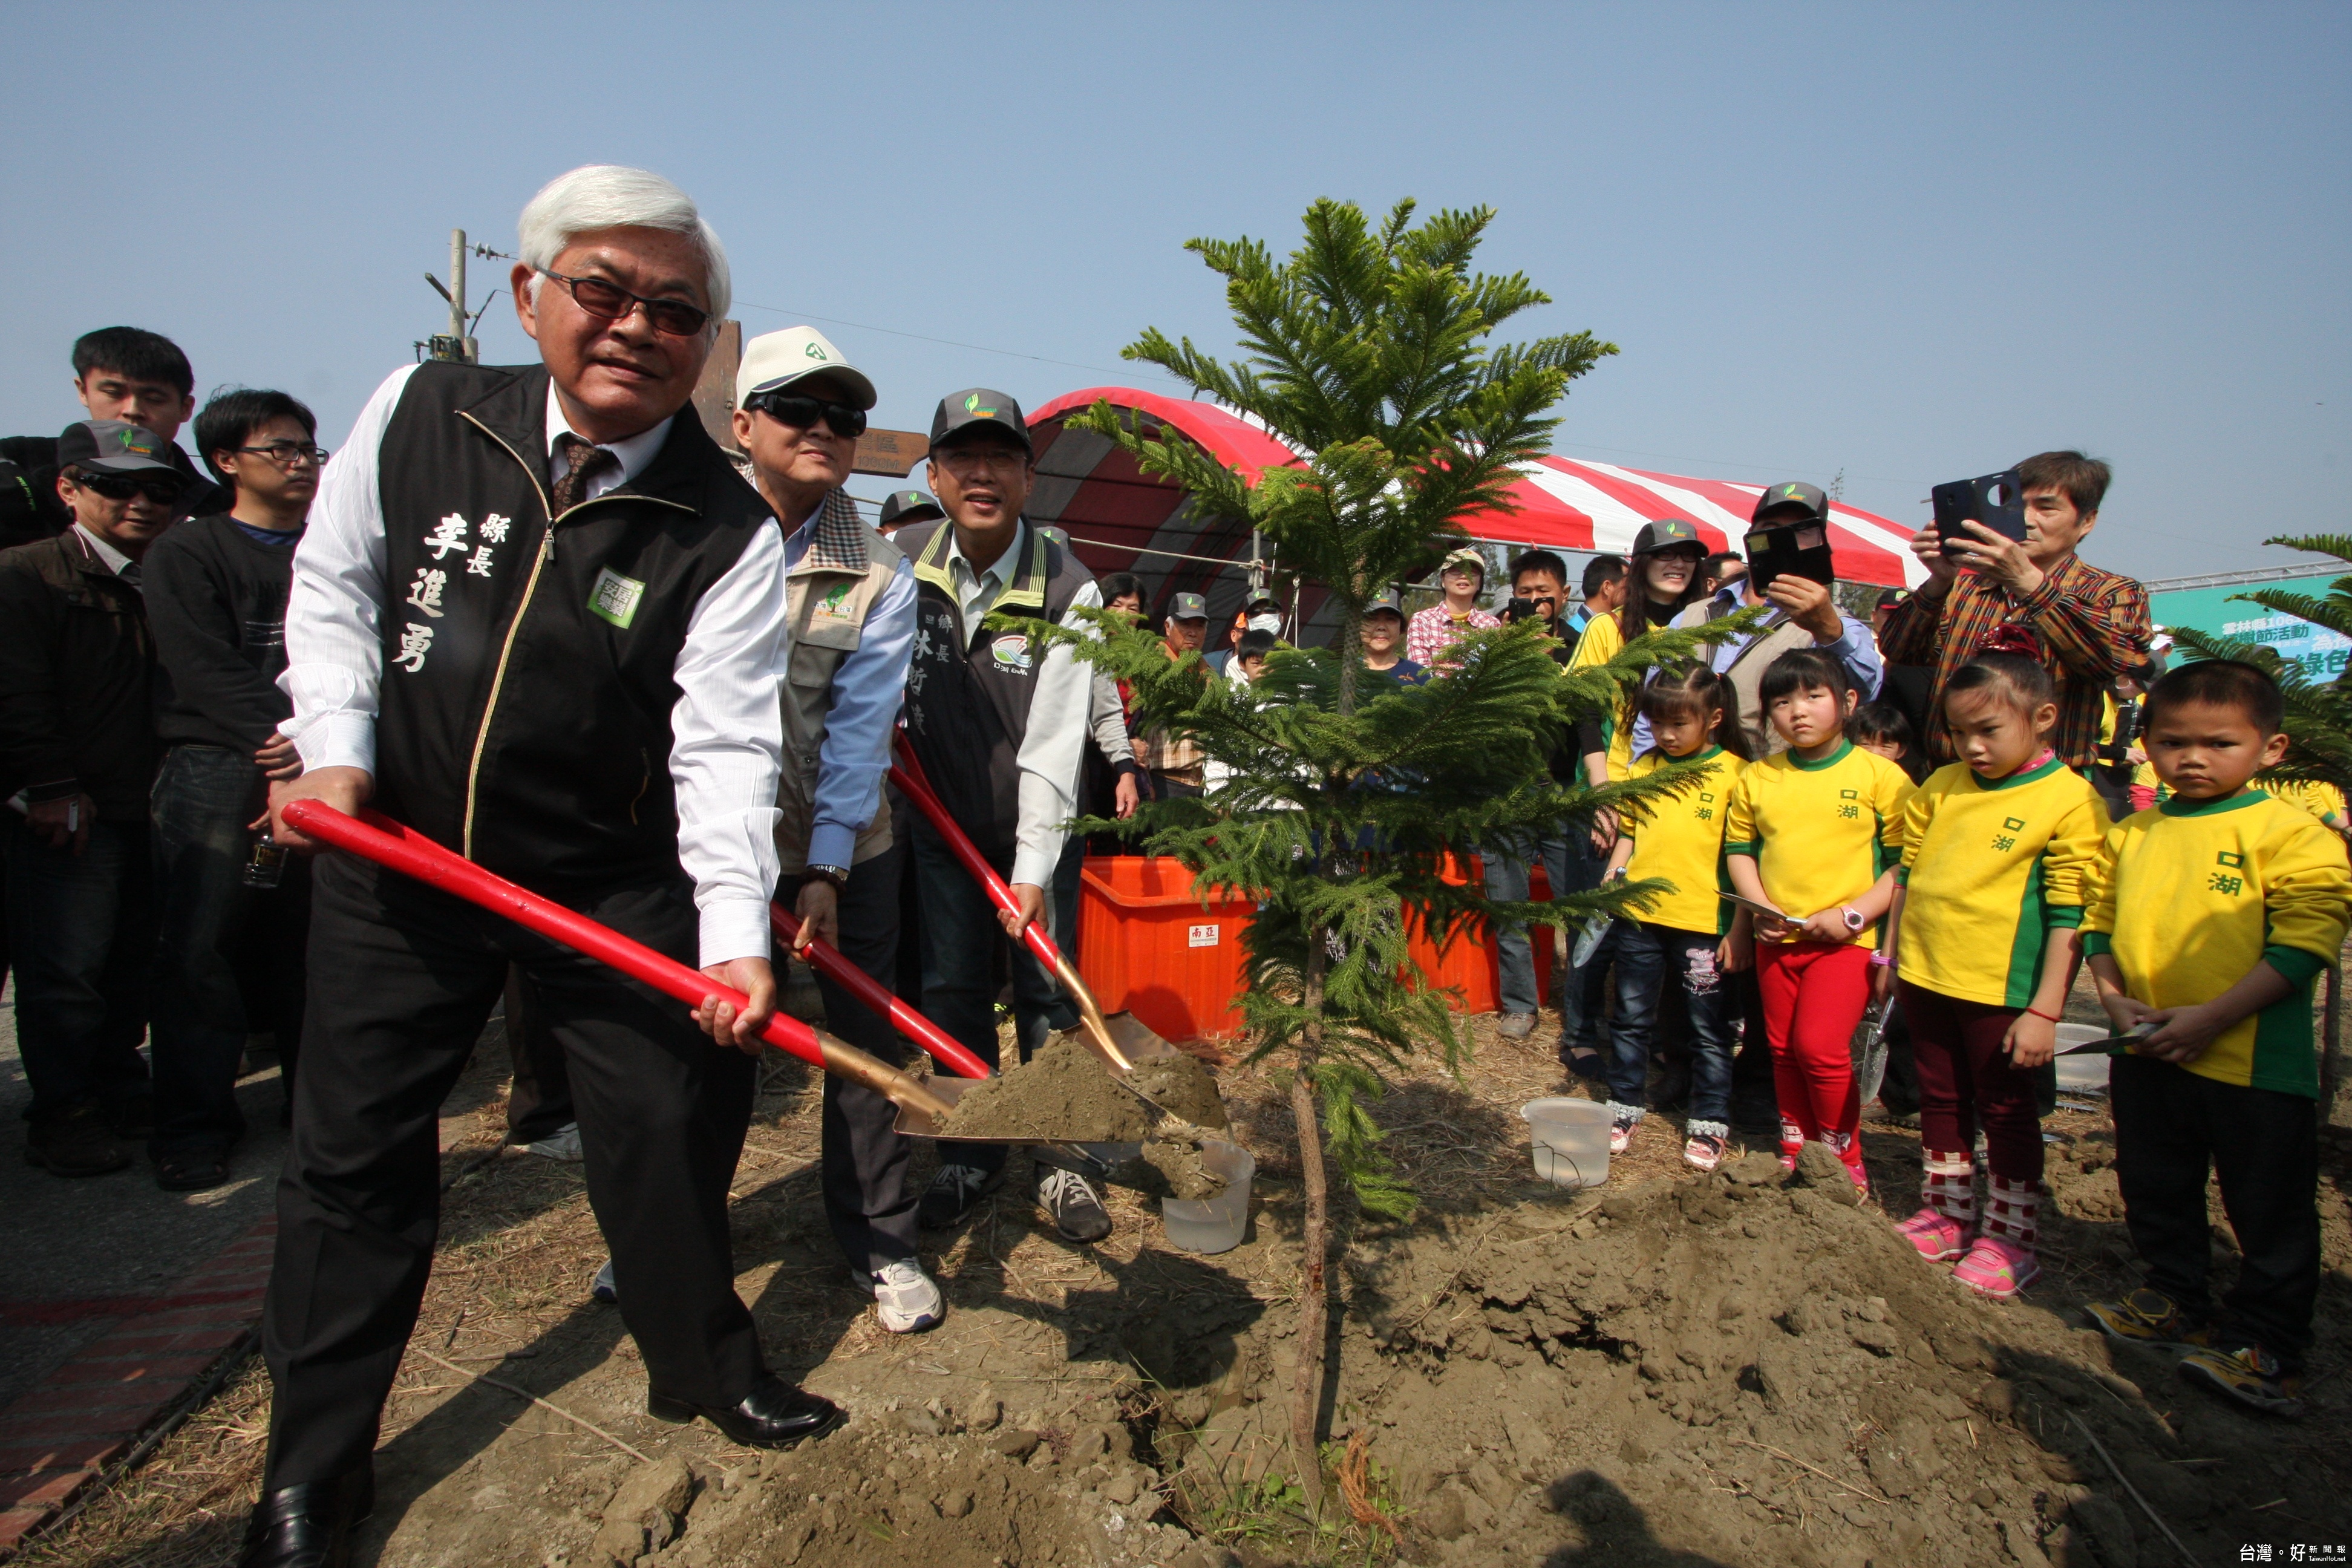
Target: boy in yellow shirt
x=2213 y=914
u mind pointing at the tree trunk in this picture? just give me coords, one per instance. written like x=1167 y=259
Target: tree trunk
x=1306 y=1378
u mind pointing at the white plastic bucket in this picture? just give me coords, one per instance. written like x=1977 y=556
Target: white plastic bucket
x=1570 y=1139
x=2084 y=1071
x=1214 y=1224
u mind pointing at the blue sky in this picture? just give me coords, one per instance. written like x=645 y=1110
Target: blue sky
x=1907 y=242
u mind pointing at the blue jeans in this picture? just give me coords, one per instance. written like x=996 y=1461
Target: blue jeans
x=203 y=799
x=961 y=943
x=81 y=930
x=1646 y=955
x=1572 y=866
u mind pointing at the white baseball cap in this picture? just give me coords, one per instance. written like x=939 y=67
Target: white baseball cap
x=796 y=354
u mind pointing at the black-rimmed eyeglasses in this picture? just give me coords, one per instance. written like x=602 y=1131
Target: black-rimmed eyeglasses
x=610 y=302
x=286 y=454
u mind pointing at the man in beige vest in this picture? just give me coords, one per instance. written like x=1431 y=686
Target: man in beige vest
x=850 y=600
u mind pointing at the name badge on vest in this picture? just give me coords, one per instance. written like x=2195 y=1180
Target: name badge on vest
x=1011 y=652
x=614 y=598
x=834 y=603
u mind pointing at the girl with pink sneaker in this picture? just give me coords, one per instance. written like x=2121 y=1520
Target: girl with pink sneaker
x=1998 y=853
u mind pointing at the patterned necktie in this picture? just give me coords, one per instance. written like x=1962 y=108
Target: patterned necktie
x=586 y=463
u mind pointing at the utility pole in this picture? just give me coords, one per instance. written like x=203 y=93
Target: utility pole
x=454 y=344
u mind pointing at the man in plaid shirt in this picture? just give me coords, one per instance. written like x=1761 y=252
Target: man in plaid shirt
x=2088 y=626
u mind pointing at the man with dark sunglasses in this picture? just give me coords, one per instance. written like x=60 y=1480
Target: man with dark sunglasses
x=850 y=597
x=77 y=755
x=538 y=617
x=119 y=373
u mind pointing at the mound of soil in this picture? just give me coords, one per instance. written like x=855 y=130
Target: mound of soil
x=1064 y=1092
x=1756 y=1371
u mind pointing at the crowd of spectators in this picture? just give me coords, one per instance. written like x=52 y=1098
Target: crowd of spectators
x=146 y=590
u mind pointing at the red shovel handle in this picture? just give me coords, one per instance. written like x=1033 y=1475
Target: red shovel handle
x=374 y=836
x=908 y=776
x=828 y=962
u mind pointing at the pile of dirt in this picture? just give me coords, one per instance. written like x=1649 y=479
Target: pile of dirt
x=1751 y=1368
x=1066 y=1092
x=935 y=1486
x=1183 y=1087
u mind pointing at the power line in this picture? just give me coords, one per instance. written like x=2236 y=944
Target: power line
x=950 y=342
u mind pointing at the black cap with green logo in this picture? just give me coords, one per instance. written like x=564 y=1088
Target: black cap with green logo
x=977 y=408
x=112 y=446
x=1791 y=502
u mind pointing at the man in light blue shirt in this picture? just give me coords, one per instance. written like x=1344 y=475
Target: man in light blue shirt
x=850 y=601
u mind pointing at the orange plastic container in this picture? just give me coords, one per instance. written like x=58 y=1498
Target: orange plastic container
x=1467 y=965
x=1146 y=946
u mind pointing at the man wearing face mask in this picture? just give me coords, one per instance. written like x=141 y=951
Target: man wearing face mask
x=999 y=722
x=1263 y=613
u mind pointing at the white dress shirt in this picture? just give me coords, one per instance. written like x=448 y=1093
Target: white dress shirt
x=726 y=736
x=1060 y=710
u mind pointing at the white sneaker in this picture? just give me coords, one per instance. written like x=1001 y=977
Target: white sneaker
x=604 y=1290
x=906 y=1299
x=564 y=1144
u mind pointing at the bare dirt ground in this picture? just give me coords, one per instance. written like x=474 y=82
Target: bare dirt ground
x=1672 y=1369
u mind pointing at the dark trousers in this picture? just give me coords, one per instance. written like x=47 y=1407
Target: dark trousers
x=81 y=933
x=1966 y=1083
x=962 y=945
x=1755 y=1093
x=868 y=1201
x=203 y=799
x=1065 y=895
x=538 y=1100
x=2171 y=1127
x=662 y=1115
x=1650 y=957
x=1570 y=865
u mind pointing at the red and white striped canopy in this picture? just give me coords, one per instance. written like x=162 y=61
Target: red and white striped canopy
x=1121 y=520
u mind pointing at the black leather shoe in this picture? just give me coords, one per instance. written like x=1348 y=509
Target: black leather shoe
x=774 y=1416
x=307 y=1526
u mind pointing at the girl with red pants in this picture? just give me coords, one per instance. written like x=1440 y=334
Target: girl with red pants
x=1999 y=851
x=1813 y=833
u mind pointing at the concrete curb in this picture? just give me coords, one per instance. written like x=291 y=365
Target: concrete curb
x=60 y=1436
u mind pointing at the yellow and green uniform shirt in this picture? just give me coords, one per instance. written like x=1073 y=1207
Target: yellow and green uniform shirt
x=1822 y=832
x=1989 y=869
x=2190 y=896
x=1601 y=641
x=2323 y=801
x=1678 y=838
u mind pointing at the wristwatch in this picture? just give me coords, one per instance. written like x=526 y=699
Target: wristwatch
x=839 y=876
x=1853 y=918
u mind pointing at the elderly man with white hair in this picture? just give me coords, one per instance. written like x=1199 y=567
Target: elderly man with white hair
x=538 y=617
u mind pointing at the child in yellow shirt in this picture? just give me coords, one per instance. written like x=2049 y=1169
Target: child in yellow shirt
x=1814 y=833
x=1687 y=934
x=1998 y=850
x=2212 y=916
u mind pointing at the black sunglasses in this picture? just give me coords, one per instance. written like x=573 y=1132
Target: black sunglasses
x=610 y=302
x=162 y=490
x=801 y=413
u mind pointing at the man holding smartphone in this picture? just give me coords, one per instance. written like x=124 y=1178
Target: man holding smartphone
x=1803 y=614
x=2089 y=625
